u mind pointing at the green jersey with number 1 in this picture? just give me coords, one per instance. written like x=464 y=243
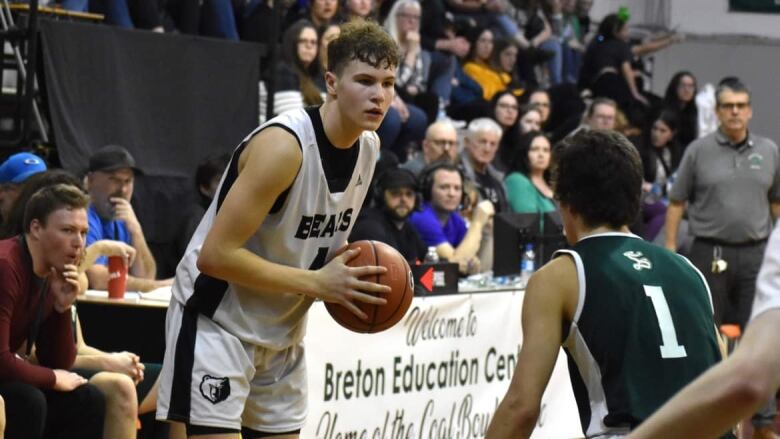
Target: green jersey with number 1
x=643 y=329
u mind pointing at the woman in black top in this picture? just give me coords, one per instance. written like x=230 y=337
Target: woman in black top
x=606 y=68
x=661 y=156
x=681 y=96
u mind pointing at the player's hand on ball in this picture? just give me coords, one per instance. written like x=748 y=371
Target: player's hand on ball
x=340 y=283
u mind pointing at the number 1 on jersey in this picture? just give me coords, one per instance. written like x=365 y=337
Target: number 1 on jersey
x=670 y=348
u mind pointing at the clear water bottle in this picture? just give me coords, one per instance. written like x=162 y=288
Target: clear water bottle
x=431 y=257
x=527 y=264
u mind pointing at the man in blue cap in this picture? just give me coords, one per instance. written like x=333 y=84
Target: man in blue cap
x=13 y=172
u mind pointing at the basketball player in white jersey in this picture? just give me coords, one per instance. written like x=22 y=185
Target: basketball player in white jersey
x=234 y=361
x=737 y=387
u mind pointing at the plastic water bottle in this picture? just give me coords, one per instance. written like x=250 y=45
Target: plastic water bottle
x=431 y=257
x=527 y=264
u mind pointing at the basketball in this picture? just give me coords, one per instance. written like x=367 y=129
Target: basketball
x=398 y=278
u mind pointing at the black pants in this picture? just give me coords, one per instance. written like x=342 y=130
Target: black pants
x=32 y=413
x=734 y=289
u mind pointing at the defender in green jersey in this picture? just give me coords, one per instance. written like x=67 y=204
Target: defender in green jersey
x=634 y=319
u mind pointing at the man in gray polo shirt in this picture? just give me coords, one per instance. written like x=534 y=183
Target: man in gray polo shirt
x=731 y=181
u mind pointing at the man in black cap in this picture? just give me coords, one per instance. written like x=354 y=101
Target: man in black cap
x=110 y=180
x=395 y=192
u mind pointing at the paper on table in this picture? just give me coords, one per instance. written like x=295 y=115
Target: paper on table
x=162 y=294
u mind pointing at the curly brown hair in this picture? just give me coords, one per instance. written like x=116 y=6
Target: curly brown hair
x=598 y=174
x=364 y=41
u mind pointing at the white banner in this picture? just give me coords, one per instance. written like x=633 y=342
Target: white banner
x=439 y=373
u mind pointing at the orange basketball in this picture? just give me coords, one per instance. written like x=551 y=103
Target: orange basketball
x=398 y=278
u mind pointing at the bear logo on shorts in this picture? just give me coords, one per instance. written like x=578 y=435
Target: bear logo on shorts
x=215 y=389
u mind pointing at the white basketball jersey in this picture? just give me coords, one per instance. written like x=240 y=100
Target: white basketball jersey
x=310 y=226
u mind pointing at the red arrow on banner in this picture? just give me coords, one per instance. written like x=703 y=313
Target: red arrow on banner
x=427 y=279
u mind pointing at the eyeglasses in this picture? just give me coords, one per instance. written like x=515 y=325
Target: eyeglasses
x=413 y=17
x=306 y=41
x=540 y=104
x=442 y=143
x=733 y=105
x=507 y=106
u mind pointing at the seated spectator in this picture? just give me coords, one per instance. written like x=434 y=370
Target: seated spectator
x=601 y=115
x=661 y=156
x=207 y=178
x=528 y=182
x=439 y=37
x=318 y=12
x=439 y=223
x=13 y=172
x=681 y=96
x=440 y=144
x=540 y=99
x=110 y=179
x=357 y=9
x=395 y=194
x=492 y=68
x=299 y=79
x=40 y=283
x=122 y=404
x=530 y=119
x=506 y=111
x=480 y=147
x=412 y=75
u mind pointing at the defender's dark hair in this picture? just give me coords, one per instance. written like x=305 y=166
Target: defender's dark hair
x=50 y=199
x=363 y=41
x=598 y=174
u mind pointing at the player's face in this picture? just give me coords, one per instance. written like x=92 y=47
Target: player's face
x=539 y=154
x=400 y=201
x=63 y=237
x=106 y=185
x=364 y=93
x=447 y=190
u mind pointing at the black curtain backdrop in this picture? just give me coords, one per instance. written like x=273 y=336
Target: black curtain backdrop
x=171 y=100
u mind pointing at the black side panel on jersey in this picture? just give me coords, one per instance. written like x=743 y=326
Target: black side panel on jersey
x=184 y=361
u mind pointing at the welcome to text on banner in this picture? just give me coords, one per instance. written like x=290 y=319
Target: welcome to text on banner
x=439 y=373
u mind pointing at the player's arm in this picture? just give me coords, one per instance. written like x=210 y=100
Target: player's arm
x=549 y=300
x=267 y=167
x=725 y=394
